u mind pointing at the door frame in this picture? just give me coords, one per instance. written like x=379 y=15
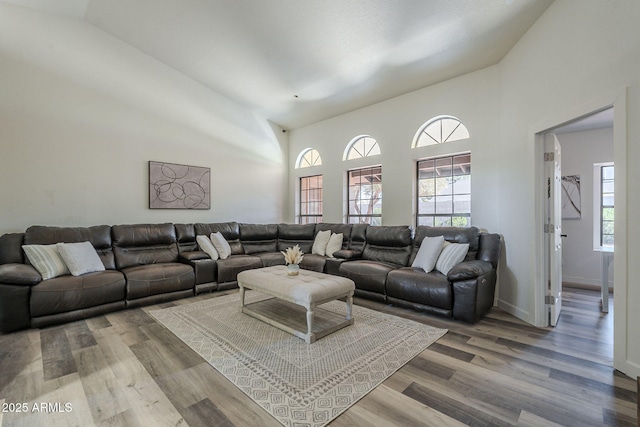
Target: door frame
x=618 y=101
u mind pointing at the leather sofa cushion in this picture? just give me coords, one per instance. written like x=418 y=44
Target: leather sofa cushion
x=99 y=236
x=143 y=244
x=368 y=275
x=470 y=235
x=469 y=270
x=296 y=234
x=271 y=258
x=68 y=293
x=313 y=262
x=390 y=244
x=186 y=237
x=153 y=279
x=11 y=248
x=358 y=237
x=489 y=248
x=19 y=274
x=258 y=238
x=345 y=229
x=413 y=284
x=229 y=230
x=229 y=268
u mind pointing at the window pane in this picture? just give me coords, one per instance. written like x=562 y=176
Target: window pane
x=310 y=209
x=448 y=197
x=441 y=129
x=460 y=221
x=462 y=203
x=607 y=214
x=444 y=205
x=442 y=221
x=462 y=184
x=426 y=169
x=444 y=166
x=365 y=195
x=425 y=220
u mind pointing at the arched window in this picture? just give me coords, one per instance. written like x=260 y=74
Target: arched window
x=307 y=158
x=361 y=146
x=440 y=129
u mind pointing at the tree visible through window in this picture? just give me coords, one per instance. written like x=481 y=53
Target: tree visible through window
x=444 y=191
x=310 y=199
x=365 y=196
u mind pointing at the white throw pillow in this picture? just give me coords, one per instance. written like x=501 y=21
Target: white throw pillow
x=205 y=245
x=452 y=254
x=428 y=253
x=334 y=245
x=320 y=242
x=46 y=259
x=221 y=245
x=81 y=258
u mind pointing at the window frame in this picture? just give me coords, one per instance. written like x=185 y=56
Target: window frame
x=453 y=214
x=374 y=150
x=359 y=218
x=422 y=130
x=303 y=157
x=310 y=218
x=599 y=206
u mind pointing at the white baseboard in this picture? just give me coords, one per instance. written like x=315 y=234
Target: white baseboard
x=515 y=311
x=584 y=281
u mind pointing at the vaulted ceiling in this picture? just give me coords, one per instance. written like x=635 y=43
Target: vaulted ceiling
x=296 y=62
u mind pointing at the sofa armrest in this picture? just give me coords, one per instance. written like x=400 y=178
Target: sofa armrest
x=19 y=274
x=347 y=254
x=193 y=256
x=469 y=270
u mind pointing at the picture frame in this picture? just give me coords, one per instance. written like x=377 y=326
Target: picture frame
x=571 y=197
x=176 y=186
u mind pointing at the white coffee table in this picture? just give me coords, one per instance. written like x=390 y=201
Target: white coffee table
x=294 y=308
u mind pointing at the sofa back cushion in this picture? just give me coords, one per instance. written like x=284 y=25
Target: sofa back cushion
x=11 y=248
x=258 y=238
x=99 y=236
x=470 y=235
x=344 y=229
x=186 y=237
x=358 y=237
x=296 y=234
x=142 y=244
x=229 y=230
x=390 y=244
x=489 y=248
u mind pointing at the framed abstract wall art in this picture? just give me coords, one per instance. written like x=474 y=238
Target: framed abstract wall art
x=173 y=186
x=571 y=201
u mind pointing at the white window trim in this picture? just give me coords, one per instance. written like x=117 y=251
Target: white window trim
x=597 y=205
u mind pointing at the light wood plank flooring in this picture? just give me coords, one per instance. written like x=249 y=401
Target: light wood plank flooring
x=124 y=369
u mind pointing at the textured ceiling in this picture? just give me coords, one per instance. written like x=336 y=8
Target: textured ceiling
x=296 y=62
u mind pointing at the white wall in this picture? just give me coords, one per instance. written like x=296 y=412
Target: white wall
x=82 y=113
x=471 y=98
x=580 y=150
x=579 y=57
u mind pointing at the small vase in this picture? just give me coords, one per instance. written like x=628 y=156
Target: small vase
x=293 y=269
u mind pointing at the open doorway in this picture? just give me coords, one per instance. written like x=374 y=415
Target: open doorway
x=588 y=205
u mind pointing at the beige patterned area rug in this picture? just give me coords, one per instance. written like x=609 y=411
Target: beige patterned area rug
x=299 y=384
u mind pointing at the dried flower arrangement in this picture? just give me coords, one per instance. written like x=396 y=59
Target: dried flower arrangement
x=293 y=255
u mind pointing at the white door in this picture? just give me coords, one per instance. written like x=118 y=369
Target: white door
x=553 y=227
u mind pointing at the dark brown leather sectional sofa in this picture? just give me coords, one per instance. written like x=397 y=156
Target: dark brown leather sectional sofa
x=153 y=263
